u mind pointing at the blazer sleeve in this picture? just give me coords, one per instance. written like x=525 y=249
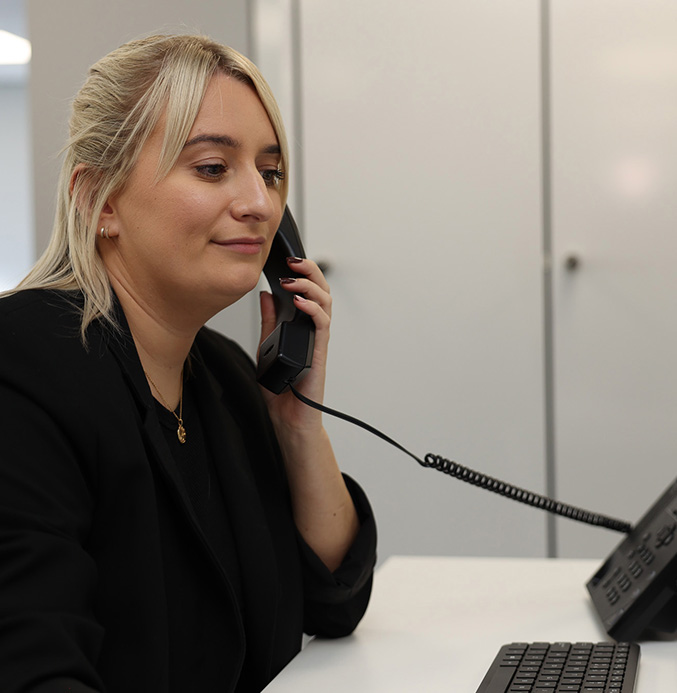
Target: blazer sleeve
x=334 y=603
x=49 y=639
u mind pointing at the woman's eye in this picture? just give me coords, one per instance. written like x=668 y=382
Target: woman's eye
x=211 y=171
x=272 y=176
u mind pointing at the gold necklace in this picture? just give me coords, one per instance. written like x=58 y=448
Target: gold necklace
x=180 y=431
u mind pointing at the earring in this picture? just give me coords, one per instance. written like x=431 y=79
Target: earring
x=104 y=232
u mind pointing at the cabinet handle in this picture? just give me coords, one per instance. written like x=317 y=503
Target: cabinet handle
x=572 y=262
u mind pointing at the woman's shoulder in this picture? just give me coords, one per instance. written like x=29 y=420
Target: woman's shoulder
x=41 y=309
x=228 y=363
x=217 y=348
x=40 y=324
x=43 y=356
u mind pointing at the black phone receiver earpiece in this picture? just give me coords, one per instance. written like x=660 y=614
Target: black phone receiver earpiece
x=286 y=354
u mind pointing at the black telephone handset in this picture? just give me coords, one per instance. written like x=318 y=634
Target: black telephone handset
x=287 y=352
x=635 y=589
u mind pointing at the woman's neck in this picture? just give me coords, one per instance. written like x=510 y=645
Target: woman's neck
x=162 y=346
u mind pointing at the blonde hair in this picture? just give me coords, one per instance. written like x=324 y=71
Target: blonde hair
x=113 y=114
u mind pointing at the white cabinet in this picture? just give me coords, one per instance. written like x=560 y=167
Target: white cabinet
x=614 y=185
x=421 y=158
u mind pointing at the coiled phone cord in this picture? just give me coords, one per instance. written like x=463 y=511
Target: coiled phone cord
x=502 y=488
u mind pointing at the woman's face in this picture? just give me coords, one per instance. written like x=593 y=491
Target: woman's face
x=197 y=240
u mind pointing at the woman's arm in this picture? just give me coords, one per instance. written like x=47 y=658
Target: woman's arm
x=46 y=577
x=323 y=508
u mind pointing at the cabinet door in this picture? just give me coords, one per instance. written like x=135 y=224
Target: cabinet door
x=421 y=158
x=614 y=154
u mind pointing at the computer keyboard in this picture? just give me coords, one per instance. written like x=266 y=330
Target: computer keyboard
x=563 y=667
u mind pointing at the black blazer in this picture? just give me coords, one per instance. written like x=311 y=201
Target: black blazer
x=98 y=539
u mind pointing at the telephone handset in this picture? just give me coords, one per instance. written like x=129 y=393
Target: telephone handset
x=287 y=352
x=635 y=589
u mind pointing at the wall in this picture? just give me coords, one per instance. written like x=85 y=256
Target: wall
x=16 y=208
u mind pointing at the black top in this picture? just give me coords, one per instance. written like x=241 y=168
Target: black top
x=196 y=467
x=198 y=473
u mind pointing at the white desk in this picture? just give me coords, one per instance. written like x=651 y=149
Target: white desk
x=435 y=624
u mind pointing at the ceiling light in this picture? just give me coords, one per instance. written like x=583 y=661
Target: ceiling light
x=14 y=50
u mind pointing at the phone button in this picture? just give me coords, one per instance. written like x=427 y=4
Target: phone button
x=665 y=536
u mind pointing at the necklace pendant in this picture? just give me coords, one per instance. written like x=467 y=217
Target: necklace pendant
x=181 y=433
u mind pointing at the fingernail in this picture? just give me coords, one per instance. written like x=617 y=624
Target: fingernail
x=294 y=260
x=287 y=280
x=298 y=297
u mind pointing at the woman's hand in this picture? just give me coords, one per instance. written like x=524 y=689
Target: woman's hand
x=311 y=296
x=324 y=512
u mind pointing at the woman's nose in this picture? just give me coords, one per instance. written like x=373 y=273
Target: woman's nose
x=252 y=198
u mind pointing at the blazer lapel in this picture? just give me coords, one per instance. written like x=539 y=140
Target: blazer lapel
x=247 y=515
x=123 y=349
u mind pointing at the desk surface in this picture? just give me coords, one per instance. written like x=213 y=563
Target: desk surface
x=435 y=624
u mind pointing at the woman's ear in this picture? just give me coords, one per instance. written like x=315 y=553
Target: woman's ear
x=81 y=184
x=77 y=181
x=74 y=176
x=81 y=187
x=107 y=227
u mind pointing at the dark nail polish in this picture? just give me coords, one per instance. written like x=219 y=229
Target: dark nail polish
x=294 y=260
x=287 y=280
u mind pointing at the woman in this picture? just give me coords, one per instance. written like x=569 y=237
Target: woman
x=165 y=525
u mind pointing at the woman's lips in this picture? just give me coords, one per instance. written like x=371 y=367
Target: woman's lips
x=246 y=246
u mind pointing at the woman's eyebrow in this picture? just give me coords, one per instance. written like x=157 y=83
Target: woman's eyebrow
x=228 y=141
x=223 y=140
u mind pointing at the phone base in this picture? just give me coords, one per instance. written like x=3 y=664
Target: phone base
x=635 y=590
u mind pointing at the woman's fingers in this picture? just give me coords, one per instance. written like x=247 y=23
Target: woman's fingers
x=310 y=287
